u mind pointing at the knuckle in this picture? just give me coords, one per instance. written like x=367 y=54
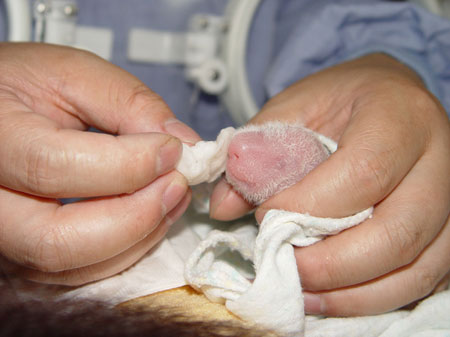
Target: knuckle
x=318 y=272
x=405 y=240
x=424 y=281
x=142 y=226
x=329 y=275
x=133 y=160
x=52 y=250
x=42 y=177
x=141 y=98
x=370 y=173
x=424 y=101
x=429 y=111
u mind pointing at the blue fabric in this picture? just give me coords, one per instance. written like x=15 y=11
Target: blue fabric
x=3 y=21
x=343 y=30
x=289 y=40
x=201 y=111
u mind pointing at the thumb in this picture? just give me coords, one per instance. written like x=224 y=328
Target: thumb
x=369 y=163
x=97 y=92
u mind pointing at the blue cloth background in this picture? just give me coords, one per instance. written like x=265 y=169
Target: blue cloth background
x=289 y=40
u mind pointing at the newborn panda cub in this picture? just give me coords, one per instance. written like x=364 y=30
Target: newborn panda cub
x=266 y=159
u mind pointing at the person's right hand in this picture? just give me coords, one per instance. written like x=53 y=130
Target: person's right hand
x=393 y=152
x=49 y=95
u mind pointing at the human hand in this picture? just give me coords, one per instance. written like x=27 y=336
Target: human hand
x=394 y=153
x=49 y=95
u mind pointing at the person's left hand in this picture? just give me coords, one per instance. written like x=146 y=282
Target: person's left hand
x=394 y=143
x=49 y=96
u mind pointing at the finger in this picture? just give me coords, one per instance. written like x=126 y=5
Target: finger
x=443 y=284
x=41 y=159
x=370 y=161
x=226 y=204
x=48 y=237
x=401 y=227
x=15 y=102
x=107 y=268
x=392 y=291
x=96 y=92
x=306 y=102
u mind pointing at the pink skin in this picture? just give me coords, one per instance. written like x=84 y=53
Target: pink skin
x=266 y=159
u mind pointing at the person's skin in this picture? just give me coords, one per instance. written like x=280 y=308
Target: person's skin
x=49 y=96
x=394 y=153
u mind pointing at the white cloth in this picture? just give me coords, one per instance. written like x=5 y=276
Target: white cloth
x=274 y=299
x=206 y=160
x=431 y=318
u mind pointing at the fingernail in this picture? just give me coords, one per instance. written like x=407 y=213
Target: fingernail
x=313 y=303
x=182 y=131
x=174 y=193
x=168 y=157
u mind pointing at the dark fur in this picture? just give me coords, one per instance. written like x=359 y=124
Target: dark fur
x=92 y=319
